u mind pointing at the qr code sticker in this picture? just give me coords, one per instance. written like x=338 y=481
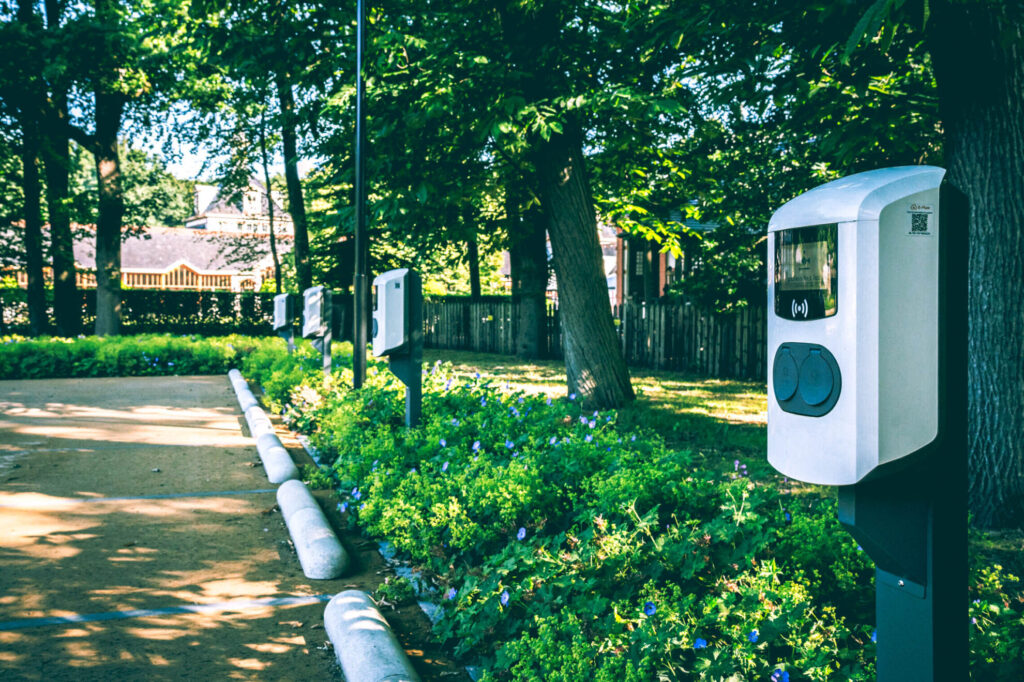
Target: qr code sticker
x=919 y=223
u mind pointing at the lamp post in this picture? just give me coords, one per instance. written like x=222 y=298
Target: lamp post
x=360 y=307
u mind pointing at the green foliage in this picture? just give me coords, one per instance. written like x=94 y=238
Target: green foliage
x=394 y=591
x=146 y=355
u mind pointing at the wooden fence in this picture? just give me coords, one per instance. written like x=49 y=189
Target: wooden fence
x=660 y=335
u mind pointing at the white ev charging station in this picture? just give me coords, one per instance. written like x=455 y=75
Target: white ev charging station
x=284 y=319
x=867 y=385
x=398 y=333
x=317 y=321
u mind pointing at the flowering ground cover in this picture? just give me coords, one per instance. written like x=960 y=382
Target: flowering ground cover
x=649 y=543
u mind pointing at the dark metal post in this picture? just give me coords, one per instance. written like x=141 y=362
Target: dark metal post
x=360 y=304
x=913 y=523
x=407 y=365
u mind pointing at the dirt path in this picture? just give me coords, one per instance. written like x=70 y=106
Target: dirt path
x=139 y=541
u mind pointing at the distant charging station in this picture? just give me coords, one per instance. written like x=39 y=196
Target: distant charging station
x=867 y=391
x=284 y=319
x=398 y=333
x=317 y=321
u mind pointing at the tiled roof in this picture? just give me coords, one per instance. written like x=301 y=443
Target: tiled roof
x=159 y=248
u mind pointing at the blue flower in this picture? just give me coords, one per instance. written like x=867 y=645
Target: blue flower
x=362 y=506
x=583 y=420
x=483 y=402
x=589 y=438
x=343 y=507
x=413 y=470
x=455 y=422
x=373 y=467
x=443 y=442
x=787 y=516
x=477 y=375
x=356 y=494
x=874 y=636
x=649 y=608
x=752 y=636
x=592 y=423
x=447 y=384
x=450 y=594
x=553 y=440
x=504 y=598
x=572 y=396
x=444 y=467
x=521 y=400
x=700 y=643
x=521 y=535
x=548 y=401
x=476 y=446
x=509 y=444
x=780 y=676
x=515 y=412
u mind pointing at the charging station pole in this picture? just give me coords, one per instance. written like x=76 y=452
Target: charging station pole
x=867 y=391
x=398 y=333
x=913 y=523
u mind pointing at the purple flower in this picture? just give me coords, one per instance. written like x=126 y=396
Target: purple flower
x=779 y=676
x=504 y=598
x=509 y=444
x=444 y=443
x=700 y=643
x=649 y=608
x=752 y=636
x=548 y=401
x=735 y=465
x=592 y=423
x=447 y=384
x=476 y=446
x=553 y=440
x=583 y=420
x=589 y=438
x=572 y=396
x=444 y=467
x=521 y=535
x=450 y=594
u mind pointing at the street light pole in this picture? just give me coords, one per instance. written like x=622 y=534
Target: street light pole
x=360 y=307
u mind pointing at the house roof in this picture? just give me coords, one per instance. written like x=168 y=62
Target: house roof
x=160 y=248
x=227 y=205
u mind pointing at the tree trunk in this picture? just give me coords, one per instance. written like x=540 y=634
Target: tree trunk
x=67 y=311
x=33 y=235
x=978 y=53
x=594 y=364
x=29 y=109
x=109 y=108
x=270 y=202
x=528 y=262
x=473 y=256
x=296 y=206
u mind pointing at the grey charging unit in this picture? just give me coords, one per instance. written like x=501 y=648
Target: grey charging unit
x=317 y=322
x=284 y=319
x=867 y=391
x=398 y=333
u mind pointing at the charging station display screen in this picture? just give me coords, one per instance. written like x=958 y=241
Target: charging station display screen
x=806 y=272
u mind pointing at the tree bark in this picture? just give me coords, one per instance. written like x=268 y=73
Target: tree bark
x=270 y=202
x=29 y=109
x=33 y=235
x=473 y=256
x=296 y=206
x=109 y=109
x=978 y=55
x=594 y=364
x=528 y=263
x=67 y=311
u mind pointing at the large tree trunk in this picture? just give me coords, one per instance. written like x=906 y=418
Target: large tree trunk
x=67 y=311
x=594 y=364
x=33 y=235
x=528 y=265
x=978 y=53
x=296 y=206
x=109 y=108
x=29 y=109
